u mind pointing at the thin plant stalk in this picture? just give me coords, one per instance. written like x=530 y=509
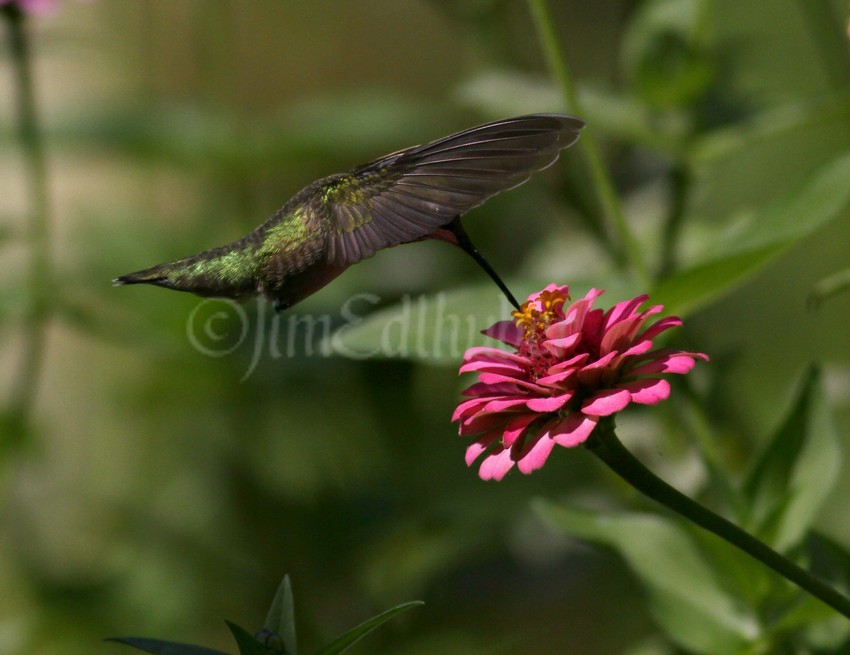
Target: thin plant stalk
x=828 y=36
x=606 y=446
x=680 y=179
x=34 y=327
x=603 y=185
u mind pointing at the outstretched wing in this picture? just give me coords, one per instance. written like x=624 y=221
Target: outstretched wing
x=409 y=194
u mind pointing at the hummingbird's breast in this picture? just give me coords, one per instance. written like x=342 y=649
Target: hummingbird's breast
x=292 y=261
x=299 y=285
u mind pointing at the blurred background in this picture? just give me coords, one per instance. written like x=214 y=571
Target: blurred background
x=156 y=489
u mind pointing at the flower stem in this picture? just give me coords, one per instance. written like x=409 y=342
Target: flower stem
x=603 y=185
x=606 y=446
x=38 y=227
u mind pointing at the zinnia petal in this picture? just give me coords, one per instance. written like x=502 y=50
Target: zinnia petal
x=559 y=347
x=480 y=423
x=589 y=375
x=572 y=362
x=573 y=429
x=536 y=453
x=503 y=368
x=620 y=335
x=557 y=379
x=501 y=404
x=485 y=353
x=606 y=402
x=623 y=310
x=506 y=332
x=480 y=444
x=678 y=363
x=496 y=465
x=469 y=407
x=639 y=348
x=660 y=326
x=496 y=378
x=648 y=392
x=515 y=428
x=574 y=316
x=550 y=404
x=482 y=390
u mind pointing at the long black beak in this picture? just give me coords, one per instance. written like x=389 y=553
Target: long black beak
x=464 y=242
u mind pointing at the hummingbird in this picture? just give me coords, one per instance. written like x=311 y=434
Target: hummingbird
x=410 y=195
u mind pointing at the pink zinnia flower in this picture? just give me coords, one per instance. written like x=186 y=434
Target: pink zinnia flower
x=41 y=7
x=32 y=6
x=572 y=365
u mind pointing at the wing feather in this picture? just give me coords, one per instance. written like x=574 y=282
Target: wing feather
x=411 y=193
x=407 y=224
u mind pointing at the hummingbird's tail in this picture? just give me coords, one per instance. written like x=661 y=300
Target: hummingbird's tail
x=154 y=275
x=225 y=272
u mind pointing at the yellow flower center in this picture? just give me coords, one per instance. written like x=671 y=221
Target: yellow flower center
x=532 y=320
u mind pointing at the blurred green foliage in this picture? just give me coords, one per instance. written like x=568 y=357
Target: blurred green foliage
x=276 y=637
x=154 y=490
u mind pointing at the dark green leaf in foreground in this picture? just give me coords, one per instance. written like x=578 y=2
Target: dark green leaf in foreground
x=345 y=641
x=281 y=617
x=247 y=643
x=159 y=647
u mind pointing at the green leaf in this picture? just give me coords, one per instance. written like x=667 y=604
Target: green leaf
x=615 y=113
x=817 y=624
x=348 y=639
x=247 y=643
x=653 y=645
x=828 y=287
x=798 y=469
x=665 y=52
x=345 y=125
x=771 y=232
x=829 y=559
x=795 y=215
x=684 y=592
x=159 y=647
x=434 y=329
x=281 y=617
x=772 y=124
x=823 y=628
x=695 y=287
x=504 y=92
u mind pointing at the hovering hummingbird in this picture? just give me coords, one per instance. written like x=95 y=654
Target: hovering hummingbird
x=411 y=195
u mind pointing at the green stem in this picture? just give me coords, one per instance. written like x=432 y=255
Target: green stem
x=829 y=38
x=606 y=446
x=603 y=185
x=38 y=227
x=680 y=180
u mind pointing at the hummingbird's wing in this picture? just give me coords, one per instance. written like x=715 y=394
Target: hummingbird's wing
x=409 y=194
